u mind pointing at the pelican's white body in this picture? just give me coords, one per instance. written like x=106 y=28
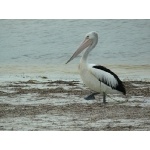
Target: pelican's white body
x=90 y=77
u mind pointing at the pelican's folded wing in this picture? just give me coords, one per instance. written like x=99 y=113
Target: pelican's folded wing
x=107 y=77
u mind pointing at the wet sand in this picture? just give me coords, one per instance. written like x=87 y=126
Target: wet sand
x=60 y=105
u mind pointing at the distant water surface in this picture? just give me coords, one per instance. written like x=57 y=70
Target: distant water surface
x=43 y=46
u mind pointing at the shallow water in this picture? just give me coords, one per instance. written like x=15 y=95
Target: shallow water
x=43 y=46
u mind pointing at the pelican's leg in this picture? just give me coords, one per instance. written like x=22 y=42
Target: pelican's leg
x=91 y=96
x=104 y=97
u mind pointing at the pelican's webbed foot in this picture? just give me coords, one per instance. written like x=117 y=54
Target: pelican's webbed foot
x=91 y=96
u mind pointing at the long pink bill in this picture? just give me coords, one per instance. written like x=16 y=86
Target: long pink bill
x=85 y=44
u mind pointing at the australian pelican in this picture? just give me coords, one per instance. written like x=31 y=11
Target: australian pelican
x=98 y=78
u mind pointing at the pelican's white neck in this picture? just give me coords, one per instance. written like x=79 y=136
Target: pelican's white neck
x=87 y=51
x=85 y=54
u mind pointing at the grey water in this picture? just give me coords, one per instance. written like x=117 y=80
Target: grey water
x=46 y=45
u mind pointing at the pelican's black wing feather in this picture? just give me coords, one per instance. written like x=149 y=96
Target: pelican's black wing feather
x=119 y=87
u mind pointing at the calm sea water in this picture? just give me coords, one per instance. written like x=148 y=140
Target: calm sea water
x=45 y=45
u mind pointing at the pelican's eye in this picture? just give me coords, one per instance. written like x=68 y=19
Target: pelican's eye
x=87 y=36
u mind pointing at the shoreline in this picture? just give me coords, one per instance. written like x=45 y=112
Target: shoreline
x=15 y=72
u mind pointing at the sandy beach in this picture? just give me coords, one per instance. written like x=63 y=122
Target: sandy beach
x=60 y=105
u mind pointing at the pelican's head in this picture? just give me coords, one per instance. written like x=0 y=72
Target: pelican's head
x=90 y=40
